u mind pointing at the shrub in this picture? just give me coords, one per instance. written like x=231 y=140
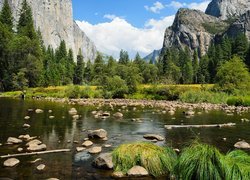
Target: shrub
x=73 y=91
x=116 y=87
x=239 y=101
x=200 y=161
x=157 y=160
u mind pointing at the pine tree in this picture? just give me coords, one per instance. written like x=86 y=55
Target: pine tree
x=6 y=17
x=79 y=69
x=226 y=47
x=124 y=57
x=195 y=64
x=241 y=45
x=88 y=72
x=203 y=73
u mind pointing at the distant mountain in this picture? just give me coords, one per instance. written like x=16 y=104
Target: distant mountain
x=154 y=56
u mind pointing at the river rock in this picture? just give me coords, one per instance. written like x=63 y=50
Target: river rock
x=118 y=174
x=26 y=126
x=137 y=171
x=50 y=111
x=189 y=113
x=118 y=115
x=1 y=144
x=154 y=137
x=51 y=117
x=20 y=149
x=107 y=145
x=87 y=143
x=34 y=142
x=76 y=117
x=104 y=161
x=100 y=133
x=52 y=179
x=36 y=160
x=242 y=145
x=41 y=167
x=73 y=111
x=11 y=162
x=38 y=111
x=40 y=147
x=95 y=150
x=80 y=149
x=26 y=117
x=13 y=140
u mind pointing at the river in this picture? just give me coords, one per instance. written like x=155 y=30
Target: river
x=56 y=134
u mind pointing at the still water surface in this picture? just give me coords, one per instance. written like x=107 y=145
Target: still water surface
x=56 y=133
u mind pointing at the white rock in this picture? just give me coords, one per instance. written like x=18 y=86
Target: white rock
x=79 y=149
x=87 y=143
x=73 y=111
x=14 y=140
x=95 y=150
x=27 y=117
x=11 y=162
x=137 y=171
x=242 y=145
x=26 y=126
x=51 y=117
x=118 y=115
x=20 y=149
x=41 y=167
x=38 y=111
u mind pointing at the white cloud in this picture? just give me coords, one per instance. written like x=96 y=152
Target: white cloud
x=156 y=8
x=199 y=6
x=111 y=37
x=109 y=16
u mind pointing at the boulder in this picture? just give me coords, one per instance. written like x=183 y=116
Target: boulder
x=13 y=140
x=242 y=145
x=41 y=167
x=154 y=137
x=73 y=111
x=137 y=171
x=11 y=162
x=39 y=111
x=95 y=150
x=100 y=133
x=87 y=143
x=118 y=115
x=104 y=161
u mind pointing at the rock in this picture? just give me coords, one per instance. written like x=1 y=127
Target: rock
x=36 y=160
x=177 y=150
x=73 y=111
x=40 y=147
x=26 y=117
x=69 y=141
x=39 y=111
x=118 y=115
x=94 y=112
x=52 y=179
x=82 y=156
x=107 y=145
x=50 y=111
x=137 y=171
x=95 y=150
x=242 y=145
x=104 y=161
x=76 y=117
x=189 y=113
x=20 y=149
x=105 y=139
x=34 y=142
x=106 y=114
x=87 y=143
x=100 y=133
x=76 y=142
x=118 y=174
x=224 y=139
x=171 y=112
x=41 y=167
x=11 y=162
x=26 y=126
x=25 y=137
x=85 y=139
x=79 y=149
x=13 y=140
x=51 y=117
x=1 y=144
x=154 y=136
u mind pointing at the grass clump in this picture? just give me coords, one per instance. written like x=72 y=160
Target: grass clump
x=200 y=161
x=237 y=165
x=156 y=160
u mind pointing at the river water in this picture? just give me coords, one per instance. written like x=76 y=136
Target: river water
x=56 y=133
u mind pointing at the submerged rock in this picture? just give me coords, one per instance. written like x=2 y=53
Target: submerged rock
x=137 y=171
x=100 y=133
x=104 y=161
x=41 y=167
x=95 y=150
x=242 y=145
x=39 y=111
x=36 y=145
x=82 y=156
x=26 y=126
x=13 y=140
x=11 y=162
x=79 y=149
x=118 y=174
x=154 y=137
x=73 y=111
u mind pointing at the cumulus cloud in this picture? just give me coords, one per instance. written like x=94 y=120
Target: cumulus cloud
x=111 y=37
x=194 y=5
x=156 y=8
x=109 y=16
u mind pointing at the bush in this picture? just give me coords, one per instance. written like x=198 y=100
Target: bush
x=157 y=160
x=116 y=87
x=200 y=161
x=73 y=92
x=239 y=101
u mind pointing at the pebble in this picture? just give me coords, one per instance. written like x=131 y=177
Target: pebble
x=41 y=167
x=95 y=150
x=26 y=117
x=20 y=149
x=38 y=111
x=51 y=117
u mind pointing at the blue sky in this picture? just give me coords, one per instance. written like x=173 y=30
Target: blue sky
x=132 y=25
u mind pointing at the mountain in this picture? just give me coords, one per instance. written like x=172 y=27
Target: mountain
x=225 y=9
x=153 y=56
x=55 y=21
x=197 y=30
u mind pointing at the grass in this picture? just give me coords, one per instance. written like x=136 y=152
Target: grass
x=200 y=161
x=239 y=101
x=155 y=159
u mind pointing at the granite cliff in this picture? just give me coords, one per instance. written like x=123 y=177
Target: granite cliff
x=55 y=20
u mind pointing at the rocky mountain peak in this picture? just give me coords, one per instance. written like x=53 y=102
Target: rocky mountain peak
x=225 y=9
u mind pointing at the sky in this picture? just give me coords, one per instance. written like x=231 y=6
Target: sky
x=131 y=25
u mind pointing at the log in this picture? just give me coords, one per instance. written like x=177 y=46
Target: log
x=200 y=126
x=35 y=153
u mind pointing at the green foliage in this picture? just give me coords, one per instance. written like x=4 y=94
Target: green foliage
x=156 y=160
x=6 y=17
x=214 y=28
x=19 y=80
x=233 y=76
x=73 y=92
x=124 y=57
x=239 y=101
x=115 y=87
x=79 y=70
x=200 y=161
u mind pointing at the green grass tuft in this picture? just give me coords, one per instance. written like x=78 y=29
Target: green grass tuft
x=200 y=161
x=157 y=160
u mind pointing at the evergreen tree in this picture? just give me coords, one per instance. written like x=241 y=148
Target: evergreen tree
x=79 y=69
x=124 y=57
x=111 y=66
x=98 y=70
x=247 y=59
x=226 y=47
x=195 y=64
x=241 y=45
x=203 y=73
x=6 y=17
x=88 y=72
